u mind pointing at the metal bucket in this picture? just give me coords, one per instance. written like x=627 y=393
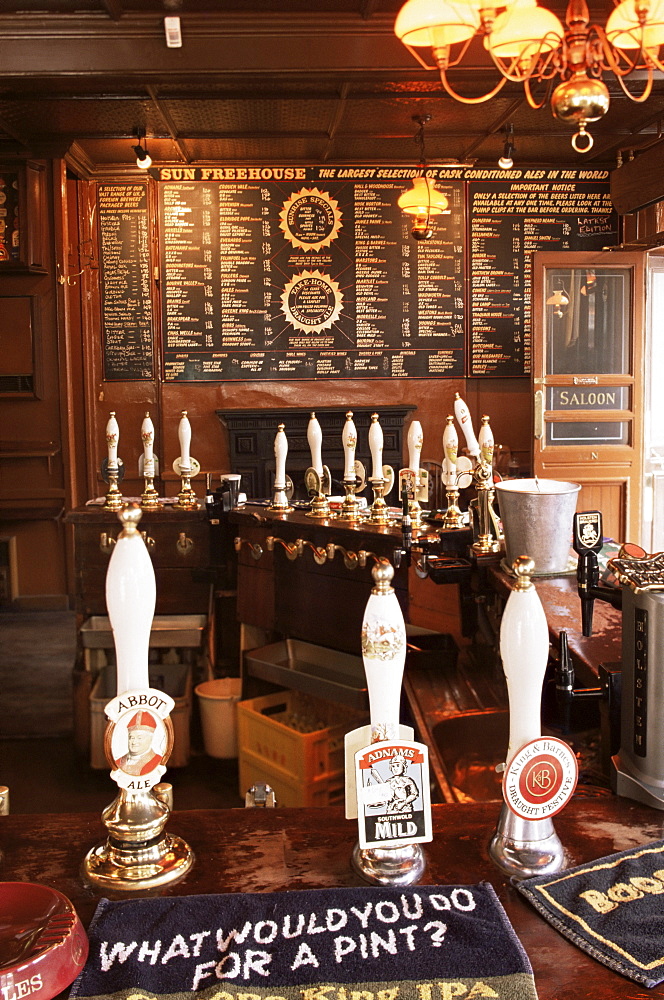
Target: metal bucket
x=537 y=516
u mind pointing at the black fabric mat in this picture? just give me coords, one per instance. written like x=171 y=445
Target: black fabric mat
x=612 y=908
x=328 y=944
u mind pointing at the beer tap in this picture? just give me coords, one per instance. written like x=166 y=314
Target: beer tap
x=354 y=479
x=416 y=475
x=452 y=517
x=112 y=469
x=391 y=770
x=317 y=478
x=138 y=854
x=462 y=413
x=540 y=773
x=147 y=465
x=382 y=476
x=185 y=466
x=279 y=503
x=587 y=543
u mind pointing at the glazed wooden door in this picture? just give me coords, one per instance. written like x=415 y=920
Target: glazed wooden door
x=588 y=368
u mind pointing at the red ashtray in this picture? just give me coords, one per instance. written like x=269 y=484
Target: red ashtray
x=43 y=944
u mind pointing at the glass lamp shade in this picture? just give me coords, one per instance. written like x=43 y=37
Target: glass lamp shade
x=144 y=162
x=624 y=30
x=423 y=199
x=524 y=31
x=436 y=23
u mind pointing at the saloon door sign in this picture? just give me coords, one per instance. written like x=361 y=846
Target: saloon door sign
x=588 y=330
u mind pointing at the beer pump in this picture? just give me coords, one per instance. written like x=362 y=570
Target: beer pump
x=414 y=477
x=354 y=479
x=279 y=503
x=317 y=478
x=638 y=767
x=387 y=776
x=382 y=476
x=540 y=772
x=112 y=468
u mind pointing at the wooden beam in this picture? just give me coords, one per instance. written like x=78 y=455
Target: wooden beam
x=639 y=182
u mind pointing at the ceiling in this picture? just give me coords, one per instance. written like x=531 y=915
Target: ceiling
x=286 y=81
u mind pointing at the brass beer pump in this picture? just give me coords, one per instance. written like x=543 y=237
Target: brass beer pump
x=138 y=854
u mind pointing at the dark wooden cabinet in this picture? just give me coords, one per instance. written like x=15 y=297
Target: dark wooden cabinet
x=252 y=432
x=178 y=542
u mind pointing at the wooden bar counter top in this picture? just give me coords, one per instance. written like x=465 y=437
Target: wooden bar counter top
x=267 y=850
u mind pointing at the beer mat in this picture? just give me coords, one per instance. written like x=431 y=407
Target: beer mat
x=612 y=908
x=419 y=943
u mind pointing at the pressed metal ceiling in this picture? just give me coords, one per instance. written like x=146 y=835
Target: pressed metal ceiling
x=306 y=81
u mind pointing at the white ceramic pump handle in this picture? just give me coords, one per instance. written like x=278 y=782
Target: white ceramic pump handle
x=415 y=441
x=524 y=649
x=131 y=595
x=315 y=441
x=376 y=447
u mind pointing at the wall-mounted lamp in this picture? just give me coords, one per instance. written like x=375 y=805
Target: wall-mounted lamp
x=422 y=200
x=506 y=161
x=559 y=299
x=143 y=158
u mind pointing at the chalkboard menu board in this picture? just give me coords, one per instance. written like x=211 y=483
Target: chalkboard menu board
x=126 y=299
x=312 y=272
x=508 y=221
x=312 y=275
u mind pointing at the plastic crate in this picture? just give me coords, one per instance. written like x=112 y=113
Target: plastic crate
x=303 y=768
x=175 y=680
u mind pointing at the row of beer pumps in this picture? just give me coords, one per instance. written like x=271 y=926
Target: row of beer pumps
x=458 y=472
x=185 y=466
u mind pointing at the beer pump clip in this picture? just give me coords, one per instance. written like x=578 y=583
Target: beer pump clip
x=387 y=773
x=638 y=767
x=317 y=478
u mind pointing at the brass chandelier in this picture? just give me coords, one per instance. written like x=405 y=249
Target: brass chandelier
x=528 y=44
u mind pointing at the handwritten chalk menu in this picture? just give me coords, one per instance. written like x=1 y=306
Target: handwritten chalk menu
x=286 y=273
x=126 y=298
x=508 y=221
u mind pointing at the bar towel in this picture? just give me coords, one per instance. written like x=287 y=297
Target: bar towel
x=612 y=908
x=416 y=943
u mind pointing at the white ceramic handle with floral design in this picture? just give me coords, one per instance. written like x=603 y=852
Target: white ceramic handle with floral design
x=349 y=441
x=486 y=443
x=383 y=653
x=147 y=434
x=112 y=439
x=450 y=448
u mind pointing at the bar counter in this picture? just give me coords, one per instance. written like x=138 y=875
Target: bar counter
x=267 y=850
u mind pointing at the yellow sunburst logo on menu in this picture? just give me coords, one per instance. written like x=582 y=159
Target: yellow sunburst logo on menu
x=310 y=219
x=312 y=301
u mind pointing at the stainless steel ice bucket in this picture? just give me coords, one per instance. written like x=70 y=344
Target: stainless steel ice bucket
x=537 y=516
